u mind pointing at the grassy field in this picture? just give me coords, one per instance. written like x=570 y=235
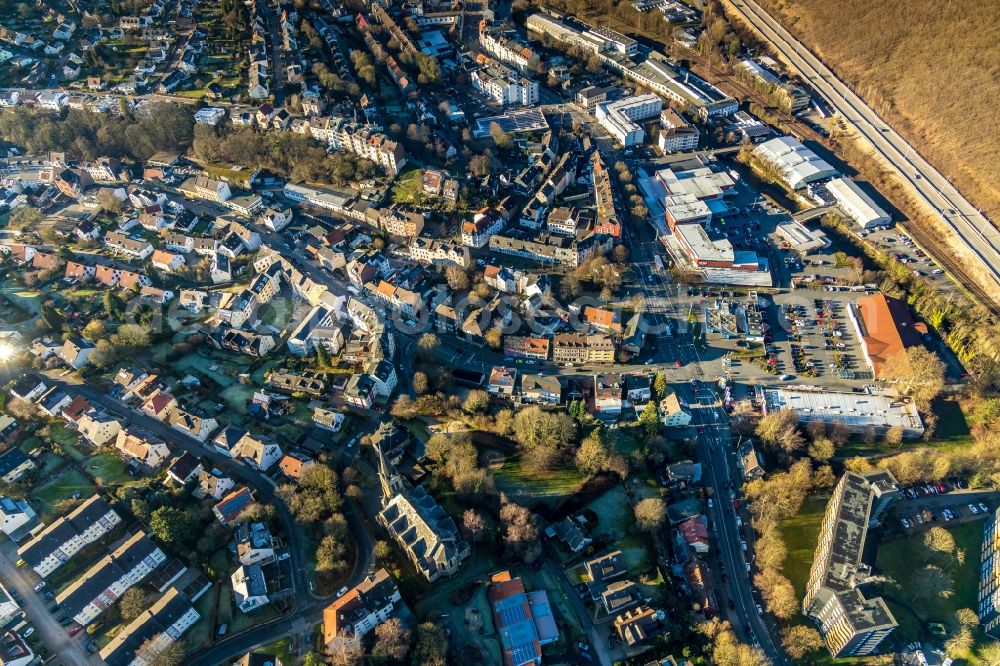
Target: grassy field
x=56 y=497
x=800 y=534
x=522 y=483
x=928 y=68
x=896 y=559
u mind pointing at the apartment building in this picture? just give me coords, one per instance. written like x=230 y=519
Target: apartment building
x=851 y=624
x=66 y=536
x=676 y=134
x=161 y=624
x=505 y=46
x=502 y=84
x=106 y=581
x=361 y=609
x=989 y=577
x=621 y=118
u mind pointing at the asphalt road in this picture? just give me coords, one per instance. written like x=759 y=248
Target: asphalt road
x=55 y=637
x=964 y=220
x=715 y=444
x=308 y=606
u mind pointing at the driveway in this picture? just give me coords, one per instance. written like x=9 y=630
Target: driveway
x=55 y=637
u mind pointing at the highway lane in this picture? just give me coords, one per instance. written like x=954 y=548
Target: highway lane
x=965 y=221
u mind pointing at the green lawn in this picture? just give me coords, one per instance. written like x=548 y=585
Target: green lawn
x=408 y=188
x=800 y=533
x=108 y=470
x=56 y=497
x=66 y=440
x=523 y=483
x=614 y=515
x=281 y=649
x=899 y=559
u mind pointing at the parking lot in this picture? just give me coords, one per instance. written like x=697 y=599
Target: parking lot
x=945 y=503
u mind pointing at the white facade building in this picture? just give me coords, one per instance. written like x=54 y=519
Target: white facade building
x=856 y=204
x=621 y=118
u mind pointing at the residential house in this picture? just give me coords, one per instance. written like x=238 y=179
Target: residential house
x=254 y=544
x=98 y=427
x=160 y=405
x=168 y=262
x=17 y=518
x=76 y=352
x=619 y=595
x=541 y=389
x=198 y=427
x=294 y=464
x=184 y=468
x=212 y=485
x=501 y=382
x=258 y=452
x=674 y=413
x=143 y=447
x=229 y=509
x=637 y=625
x=29 y=388
x=571 y=532
x=249 y=588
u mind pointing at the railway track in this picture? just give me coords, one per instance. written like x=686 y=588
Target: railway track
x=961 y=218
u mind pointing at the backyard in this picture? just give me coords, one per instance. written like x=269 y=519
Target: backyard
x=57 y=496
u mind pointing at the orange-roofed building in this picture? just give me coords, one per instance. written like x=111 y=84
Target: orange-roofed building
x=77 y=407
x=608 y=321
x=885 y=328
x=361 y=609
x=293 y=465
x=524 y=620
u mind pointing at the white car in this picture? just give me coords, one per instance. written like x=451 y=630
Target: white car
x=28 y=632
x=342 y=591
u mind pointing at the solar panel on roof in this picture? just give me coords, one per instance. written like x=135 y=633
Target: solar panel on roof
x=522 y=654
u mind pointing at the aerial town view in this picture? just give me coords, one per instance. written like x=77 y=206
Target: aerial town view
x=499 y=333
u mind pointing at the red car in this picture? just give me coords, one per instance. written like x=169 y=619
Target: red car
x=74 y=630
x=677 y=363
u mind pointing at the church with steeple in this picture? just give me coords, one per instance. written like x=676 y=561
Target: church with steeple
x=427 y=534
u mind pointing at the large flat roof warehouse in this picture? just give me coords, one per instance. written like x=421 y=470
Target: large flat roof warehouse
x=802 y=238
x=856 y=411
x=702 y=248
x=513 y=122
x=702 y=182
x=799 y=165
x=858 y=205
